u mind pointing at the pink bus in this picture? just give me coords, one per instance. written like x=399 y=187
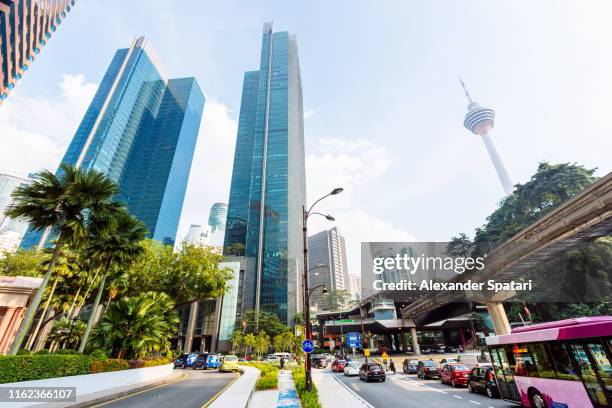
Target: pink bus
x=563 y=364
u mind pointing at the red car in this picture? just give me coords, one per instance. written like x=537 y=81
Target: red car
x=338 y=366
x=454 y=374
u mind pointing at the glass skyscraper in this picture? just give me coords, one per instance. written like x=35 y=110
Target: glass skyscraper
x=267 y=194
x=218 y=217
x=25 y=27
x=141 y=130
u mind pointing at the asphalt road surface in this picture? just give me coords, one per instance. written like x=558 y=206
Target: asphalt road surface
x=401 y=390
x=192 y=392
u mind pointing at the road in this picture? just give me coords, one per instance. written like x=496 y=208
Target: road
x=401 y=390
x=192 y=392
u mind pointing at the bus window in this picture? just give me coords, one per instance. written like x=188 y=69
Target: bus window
x=523 y=362
x=587 y=373
x=602 y=365
x=542 y=361
x=503 y=373
x=563 y=364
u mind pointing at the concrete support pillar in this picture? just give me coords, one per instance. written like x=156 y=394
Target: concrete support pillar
x=462 y=337
x=191 y=323
x=415 y=341
x=403 y=340
x=499 y=318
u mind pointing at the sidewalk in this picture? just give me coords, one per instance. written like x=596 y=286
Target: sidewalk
x=285 y=397
x=334 y=394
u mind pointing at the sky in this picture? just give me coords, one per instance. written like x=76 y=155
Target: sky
x=382 y=102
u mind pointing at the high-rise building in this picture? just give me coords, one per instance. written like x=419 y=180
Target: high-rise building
x=480 y=121
x=267 y=193
x=141 y=130
x=218 y=217
x=327 y=265
x=355 y=286
x=198 y=235
x=8 y=183
x=25 y=27
x=11 y=231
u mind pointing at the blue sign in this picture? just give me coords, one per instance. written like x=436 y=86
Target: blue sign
x=307 y=346
x=353 y=339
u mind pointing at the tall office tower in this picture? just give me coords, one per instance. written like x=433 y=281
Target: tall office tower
x=11 y=231
x=480 y=121
x=141 y=130
x=327 y=265
x=268 y=191
x=218 y=217
x=355 y=286
x=25 y=27
x=8 y=183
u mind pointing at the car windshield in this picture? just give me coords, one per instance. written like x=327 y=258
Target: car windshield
x=353 y=364
x=414 y=362
x=341 y=361
x=459 y=367
x=375 y=366
x=231 y=358
x=429 y=363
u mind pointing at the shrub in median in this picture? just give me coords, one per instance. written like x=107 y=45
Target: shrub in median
x=309 y=399
x=106 y=365
x=268 y=377
x=38 y=367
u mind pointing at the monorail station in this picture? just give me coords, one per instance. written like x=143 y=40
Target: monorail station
x=378 y=321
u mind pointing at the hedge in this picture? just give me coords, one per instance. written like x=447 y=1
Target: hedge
x=40 y=366
x=268 y=378
x=309 y=399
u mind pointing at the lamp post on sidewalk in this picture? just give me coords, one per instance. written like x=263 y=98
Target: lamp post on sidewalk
x=308 y=327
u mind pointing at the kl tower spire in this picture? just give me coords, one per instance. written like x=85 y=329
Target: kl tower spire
x=480 y=121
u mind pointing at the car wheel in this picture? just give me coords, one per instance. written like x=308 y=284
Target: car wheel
x=383 y=380
x=470 y=389
x=537 y=400
x=453 y=384
x=490 y=392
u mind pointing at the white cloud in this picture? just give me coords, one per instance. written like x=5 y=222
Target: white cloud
x=211 y=171
x=35 y=131
x=309 y=114
x=351 y=165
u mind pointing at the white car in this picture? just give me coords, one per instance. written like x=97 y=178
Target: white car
x=351 y=368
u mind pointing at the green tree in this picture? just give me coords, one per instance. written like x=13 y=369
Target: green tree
x=236 y=341
x=267 y=322
x=63 y=203
x=337 y=299
x=550 y=186
x=24 y=262
x=460 y=246
x=262 y=342
x=137 y=326
x=249 y=342
x=114 y=241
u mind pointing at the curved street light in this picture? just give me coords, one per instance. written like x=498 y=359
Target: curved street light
x=307 y=292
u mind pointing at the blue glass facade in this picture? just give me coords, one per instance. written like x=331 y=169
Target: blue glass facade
x=141 y=131
x=268 y=184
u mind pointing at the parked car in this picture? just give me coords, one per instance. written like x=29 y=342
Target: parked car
x=200 y=361
x=410 y=366
x=425 y=349
x=338 y=366
x=438 y=348
x=212 y=361
x=351 y=368
x=451 y=349
x=272 y=359
x=455 y=374
x=372 y=371
x=482 y=379
x=446 y=361
x=318 y=361
x=475 y=359
x=186 y=360
x=230 y=363
x=427 y=369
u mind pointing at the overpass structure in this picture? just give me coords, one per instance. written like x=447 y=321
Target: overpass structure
x=582 y=218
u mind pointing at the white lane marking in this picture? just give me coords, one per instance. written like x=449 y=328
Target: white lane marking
x=474 y=402
x=359 y=398
x=456 y=396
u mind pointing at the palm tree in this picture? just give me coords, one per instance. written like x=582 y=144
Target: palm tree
x=115 y=239
x=262 y=342
x=249 y=342
x=62 y=202
x=134 y=327
x=236 y=341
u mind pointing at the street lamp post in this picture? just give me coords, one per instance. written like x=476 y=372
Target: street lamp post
x=308 y=326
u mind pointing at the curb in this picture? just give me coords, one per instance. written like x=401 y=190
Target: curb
x=218 y=394
x=353 y=393
x=108 y=398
